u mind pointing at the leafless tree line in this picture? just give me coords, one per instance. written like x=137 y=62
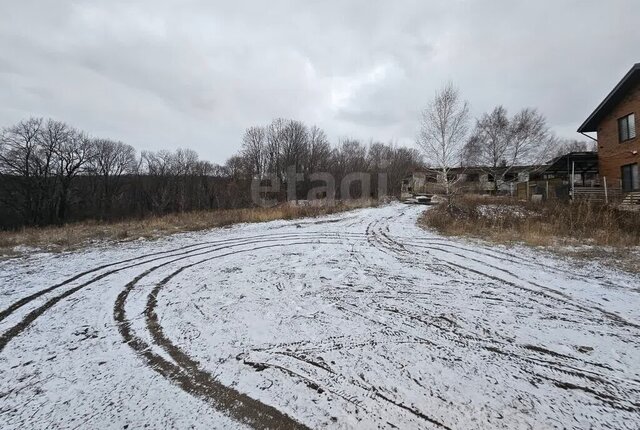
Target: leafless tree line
x=39 y=161
x=287 y=147
x=52 y=173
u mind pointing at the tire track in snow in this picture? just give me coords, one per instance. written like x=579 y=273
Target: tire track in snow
x=509 y=257
x=155 y=329
x=561 y=368
x=512 y=258
x=25 y=300
x=546 y=292
x=34 y=314
x=187 y=373
x=30 y=298
x=549 y=294
x=613 y=400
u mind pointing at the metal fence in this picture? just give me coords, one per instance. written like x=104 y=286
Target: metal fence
x=558 y=189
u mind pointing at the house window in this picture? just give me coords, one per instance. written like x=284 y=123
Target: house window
x=630 y=177
x=627 y=127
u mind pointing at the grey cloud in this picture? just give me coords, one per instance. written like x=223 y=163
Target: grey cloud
x=162 y=74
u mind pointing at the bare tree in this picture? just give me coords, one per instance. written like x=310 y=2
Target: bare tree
x=379 y=155
x=403 y=162
x=184 y=162
x=18 y=147
x=530 y=138
x=500 y=143
x=157 y=163
x=185 y=165
x=111 y=161
x=443 y=130
x=295 y=141
x=254 y=149
x=73 y=154
x=488 y=145
x=179 y=180
x=275 y=142
x=350 y=157
x=319 y=151
x=236 y=167
x=19 y=152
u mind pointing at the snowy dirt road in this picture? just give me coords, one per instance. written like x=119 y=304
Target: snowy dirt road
x=356 y=320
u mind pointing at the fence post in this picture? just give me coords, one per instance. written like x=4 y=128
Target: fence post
x=547 y=196
x=606 y=193
x=573 y=186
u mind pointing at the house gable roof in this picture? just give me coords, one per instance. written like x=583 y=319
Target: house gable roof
x=614 y=97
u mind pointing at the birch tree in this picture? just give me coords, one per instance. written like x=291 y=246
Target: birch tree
x=443 y=129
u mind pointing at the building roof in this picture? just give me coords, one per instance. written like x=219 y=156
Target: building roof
x=582 y=162
x=499 y=170
x=614 y=97
x=579 y=161
x=434 y=172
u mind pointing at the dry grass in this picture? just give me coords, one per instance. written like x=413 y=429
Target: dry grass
x=75 y=235
x=582 y=229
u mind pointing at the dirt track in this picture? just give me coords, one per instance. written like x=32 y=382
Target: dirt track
x=356 y=320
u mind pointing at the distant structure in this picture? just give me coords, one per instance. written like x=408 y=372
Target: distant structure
x=474 y=180
x=573 y=175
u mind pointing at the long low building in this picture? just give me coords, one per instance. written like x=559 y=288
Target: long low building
x=563 y=177
x=478 y=180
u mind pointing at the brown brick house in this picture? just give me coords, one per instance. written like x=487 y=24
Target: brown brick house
x=615 y=121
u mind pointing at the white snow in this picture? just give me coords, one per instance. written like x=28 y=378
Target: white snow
x=356 y=320
x=500 y=211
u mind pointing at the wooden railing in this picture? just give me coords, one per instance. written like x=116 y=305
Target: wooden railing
x=600 y=194
x=631 y=199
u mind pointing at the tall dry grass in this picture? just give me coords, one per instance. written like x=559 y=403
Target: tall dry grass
x=540 y=224
x=76 y=235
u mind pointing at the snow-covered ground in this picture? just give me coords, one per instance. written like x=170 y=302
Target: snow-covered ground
x=356 y=320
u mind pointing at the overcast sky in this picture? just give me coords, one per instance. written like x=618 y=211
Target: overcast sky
x=162 y=75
